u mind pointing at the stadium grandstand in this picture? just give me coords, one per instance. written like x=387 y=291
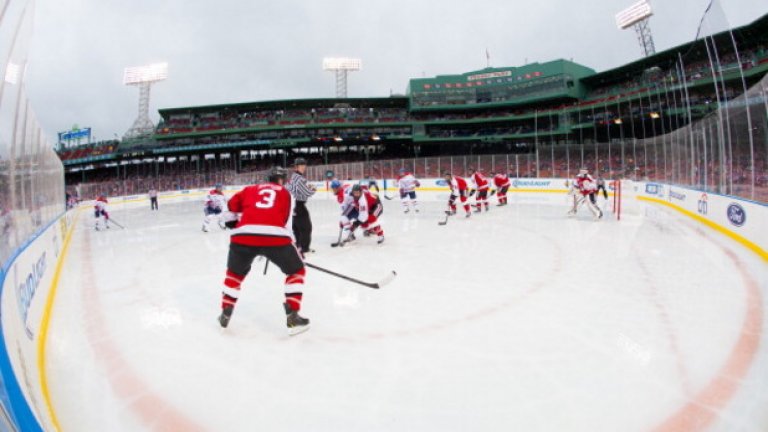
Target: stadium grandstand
x=656 y=118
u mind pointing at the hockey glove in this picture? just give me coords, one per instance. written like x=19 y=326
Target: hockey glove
x=471 y=192
x=230 y=224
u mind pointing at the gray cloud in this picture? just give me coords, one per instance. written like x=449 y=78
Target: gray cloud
x=237 y=51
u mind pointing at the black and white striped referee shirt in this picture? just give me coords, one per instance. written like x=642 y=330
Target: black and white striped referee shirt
x=299 y=188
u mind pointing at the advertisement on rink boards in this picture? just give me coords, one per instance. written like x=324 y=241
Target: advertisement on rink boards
x=26 y=285
x=437 y=188
x=430 y=189
x=741 y=219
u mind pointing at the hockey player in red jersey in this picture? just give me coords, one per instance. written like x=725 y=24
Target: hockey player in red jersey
x=458 y=190
x=584 y=187
x=263 y=228
x=101 y=213
x=502 y=183
x=480 y=186
x=367 y=209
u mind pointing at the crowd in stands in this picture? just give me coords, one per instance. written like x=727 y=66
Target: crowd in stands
x=561 y=161
x=229 y=119
x=694 y=71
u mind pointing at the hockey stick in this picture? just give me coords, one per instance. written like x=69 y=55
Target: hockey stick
x=385 y=190
x=115 y=222
x=338 y=242
x=375 y=285
x=266 y=265
x=443 y=222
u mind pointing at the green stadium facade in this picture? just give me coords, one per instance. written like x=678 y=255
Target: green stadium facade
x=493 y=110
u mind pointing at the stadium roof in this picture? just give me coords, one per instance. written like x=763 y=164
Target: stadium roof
x=752 y=34
x=386 y=102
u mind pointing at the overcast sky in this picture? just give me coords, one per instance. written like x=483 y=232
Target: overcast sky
x=230 y=51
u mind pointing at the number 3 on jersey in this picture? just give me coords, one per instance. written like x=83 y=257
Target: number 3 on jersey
x=267 y=198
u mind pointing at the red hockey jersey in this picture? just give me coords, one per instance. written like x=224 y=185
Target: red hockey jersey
x=457 y=185
x=265 y=219
x=501 y=180
x=479 y=180
x=366 y=205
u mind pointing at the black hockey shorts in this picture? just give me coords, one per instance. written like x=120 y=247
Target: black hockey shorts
x=482 y=194
x=241 y=257
x=503 y=190
x=211 y=211
x=411 y=195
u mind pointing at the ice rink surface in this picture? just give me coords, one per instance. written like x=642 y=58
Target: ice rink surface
x=518 y=319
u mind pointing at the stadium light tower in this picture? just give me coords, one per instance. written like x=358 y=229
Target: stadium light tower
x=340 y=67
x=143 y=77
x=637 y=16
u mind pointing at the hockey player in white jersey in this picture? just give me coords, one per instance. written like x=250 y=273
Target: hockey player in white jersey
x=583 y=189
x=101 y=212
x=407 y=185
x=343 y=194
x=215 y=204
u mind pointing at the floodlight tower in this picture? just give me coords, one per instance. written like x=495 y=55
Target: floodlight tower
x=143 y=77
x=340 y=67
x=637 y=16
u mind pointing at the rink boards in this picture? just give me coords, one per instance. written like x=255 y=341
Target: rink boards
x=29 y=278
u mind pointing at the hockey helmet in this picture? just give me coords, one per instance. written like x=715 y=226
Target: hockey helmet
x=276 y=173
x=357 y=188
x=335 y=184
x=583 y=171
x=402 y=171
x=299 y=161
x=446 y=174
x=217 y=186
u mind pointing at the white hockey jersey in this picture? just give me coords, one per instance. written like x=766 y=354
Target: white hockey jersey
x=407 y=183
x=216 y=199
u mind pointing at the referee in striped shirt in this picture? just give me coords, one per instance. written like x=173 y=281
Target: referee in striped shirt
x=301 y=191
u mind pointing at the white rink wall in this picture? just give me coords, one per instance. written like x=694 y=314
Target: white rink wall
x=27 y=287
x=742 y=220
x=737 y=218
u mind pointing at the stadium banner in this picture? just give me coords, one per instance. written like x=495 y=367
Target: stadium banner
x=27 y=280
x=740 y=219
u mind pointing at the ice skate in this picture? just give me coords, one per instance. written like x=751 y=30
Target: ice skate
x=295 y=322
x=380 y=240
x=225 y=316
x=468 y=215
